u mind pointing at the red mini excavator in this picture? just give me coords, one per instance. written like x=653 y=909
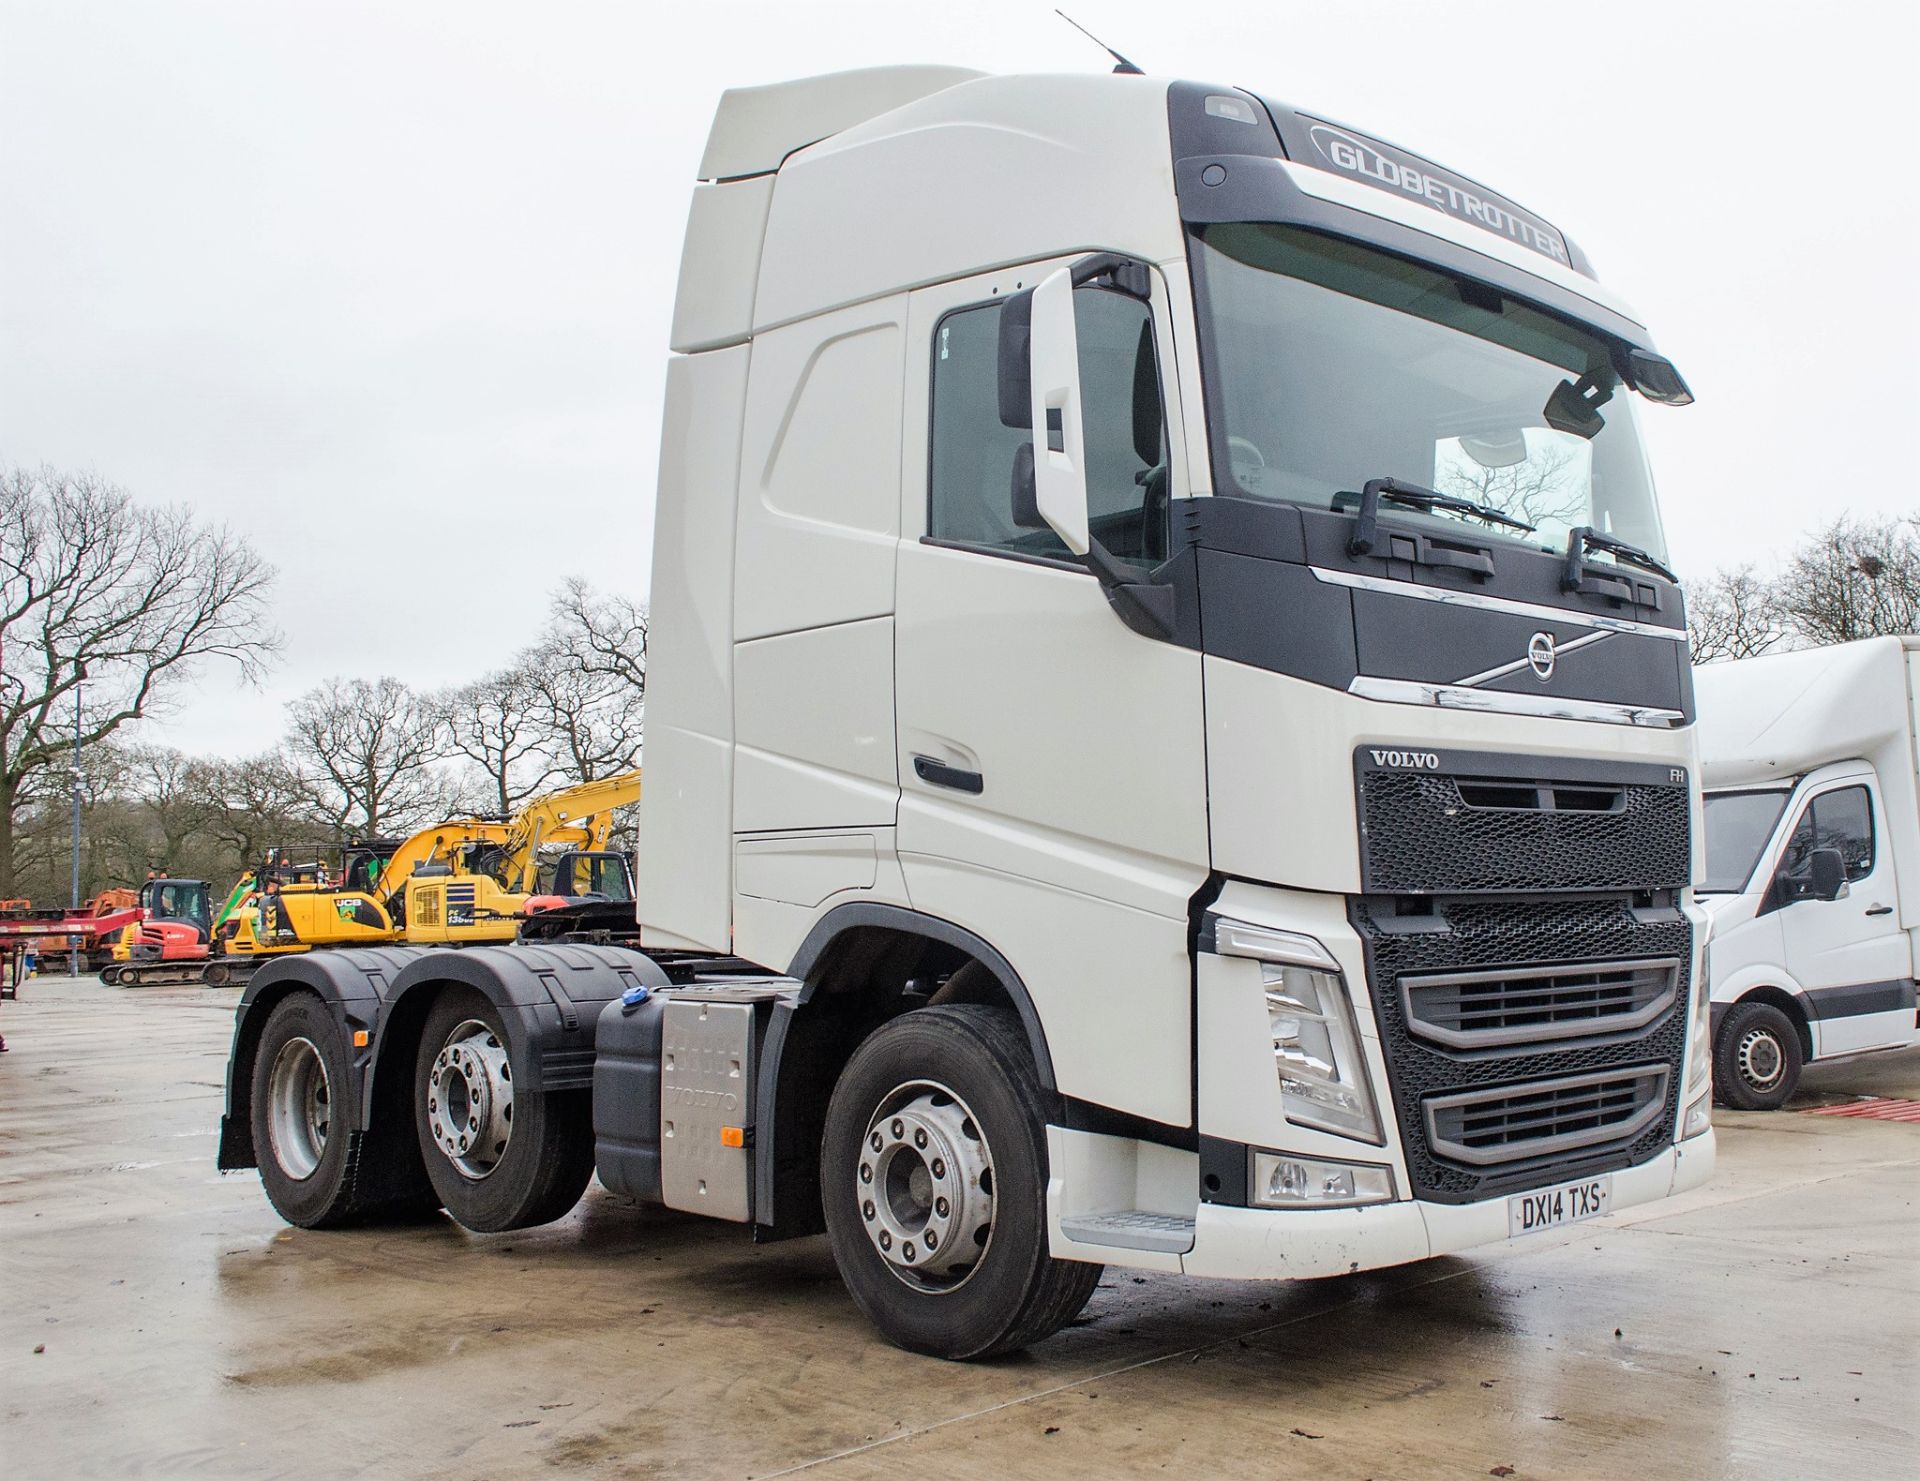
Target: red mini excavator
x=168 y=943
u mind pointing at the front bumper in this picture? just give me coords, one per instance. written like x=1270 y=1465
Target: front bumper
x=1268 y=1244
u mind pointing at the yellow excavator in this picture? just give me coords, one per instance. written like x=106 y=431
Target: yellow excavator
x=462 y=881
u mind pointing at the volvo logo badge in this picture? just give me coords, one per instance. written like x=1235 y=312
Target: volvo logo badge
x=1540 y=655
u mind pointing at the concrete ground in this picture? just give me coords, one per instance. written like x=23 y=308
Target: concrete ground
x=1766 y=1325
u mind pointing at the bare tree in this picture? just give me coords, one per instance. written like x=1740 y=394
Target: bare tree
x=590 y=670
x=115 y=601
x=1857 y=578
x=1542 y=488
x=251 y=804
x=366 y=754
x=1733 y=614
x=501 y=725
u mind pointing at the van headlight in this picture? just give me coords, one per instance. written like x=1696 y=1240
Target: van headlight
x=1316 y=1044
x=1700 y=1049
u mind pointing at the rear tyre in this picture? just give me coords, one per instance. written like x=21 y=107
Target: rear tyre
x=933 y=1180
x=1757 y=1058
x=499 y=1156
x=306 y=1154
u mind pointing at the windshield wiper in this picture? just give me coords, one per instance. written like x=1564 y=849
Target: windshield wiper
x=1366 y=518
x=1585 y=538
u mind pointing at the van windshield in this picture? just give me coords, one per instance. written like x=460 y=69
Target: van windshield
x=1738 y=826
x=1330 y=364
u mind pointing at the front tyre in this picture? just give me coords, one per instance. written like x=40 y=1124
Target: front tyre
x=499 y=1156
x=933 y=1180
x=1757 y=1058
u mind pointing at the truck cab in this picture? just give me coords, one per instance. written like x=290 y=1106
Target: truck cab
x=1813 y=846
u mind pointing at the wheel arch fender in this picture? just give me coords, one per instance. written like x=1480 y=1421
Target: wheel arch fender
x=549 y=998
x=353 y=985
x=839 y=927
x=854 y=968
x=1787 y=1001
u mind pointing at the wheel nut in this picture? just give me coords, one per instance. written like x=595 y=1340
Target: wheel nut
x=866 y=1209
x=907 y=1249
x=878 y=1141
x=940 y=1207
x=866 y=1173
x=931 y=1239
x=939 y=1168
x=919 y=1137
x=886 y=1240
x=899 y=1128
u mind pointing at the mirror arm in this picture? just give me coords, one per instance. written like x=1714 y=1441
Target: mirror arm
x=1144 y=604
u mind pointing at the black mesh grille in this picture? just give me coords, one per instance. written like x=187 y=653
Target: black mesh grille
x=1423 y=833
x=1469 y=935
x=1517 y=1005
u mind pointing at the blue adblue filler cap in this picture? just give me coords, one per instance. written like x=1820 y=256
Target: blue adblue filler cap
x=633 y=997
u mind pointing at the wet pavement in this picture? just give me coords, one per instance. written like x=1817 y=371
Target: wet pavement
x=1767 y=1324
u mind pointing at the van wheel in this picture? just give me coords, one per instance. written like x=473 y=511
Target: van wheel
x=499 y=1156
x=1757 y=1058
x=306 y=1154
x=933 y=1179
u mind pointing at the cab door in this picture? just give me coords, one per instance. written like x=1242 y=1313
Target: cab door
x=1051 y=760
x=1849 y=955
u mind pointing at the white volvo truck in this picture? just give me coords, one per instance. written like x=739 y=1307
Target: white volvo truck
x=1810 y=763
x=1169 y=737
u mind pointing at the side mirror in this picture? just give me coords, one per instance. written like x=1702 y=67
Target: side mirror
x=1827 y=870
x=1059 y=453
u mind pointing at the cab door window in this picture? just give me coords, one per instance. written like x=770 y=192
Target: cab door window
x=1841 y=819
x=1123 y=421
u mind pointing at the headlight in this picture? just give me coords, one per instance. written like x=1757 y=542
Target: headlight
x=1316 y=1046
x=1284 y=1181
x=1699 y=1117
x=1700 y=1052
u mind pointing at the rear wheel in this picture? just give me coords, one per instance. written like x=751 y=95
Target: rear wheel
x=305 y=1152
x=500 y=1156
x=933 y=1178
x=1757 y=1058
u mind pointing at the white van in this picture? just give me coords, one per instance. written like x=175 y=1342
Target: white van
x=1813 y=859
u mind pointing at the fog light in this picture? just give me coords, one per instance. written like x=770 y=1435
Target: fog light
x=1699 y=1117
x=1280 y=1181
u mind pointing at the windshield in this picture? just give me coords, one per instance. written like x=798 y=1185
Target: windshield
x=1331 y=364
x=1738 y=826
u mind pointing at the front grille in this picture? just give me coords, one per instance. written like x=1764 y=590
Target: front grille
x=1550 y=940
x=1546 y=1117
x=1434 y=833
x=1521 y=1005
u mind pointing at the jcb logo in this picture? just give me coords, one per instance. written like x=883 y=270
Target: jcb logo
x=1408 y=760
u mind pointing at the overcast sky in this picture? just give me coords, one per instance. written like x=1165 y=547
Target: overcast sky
x=387 y=285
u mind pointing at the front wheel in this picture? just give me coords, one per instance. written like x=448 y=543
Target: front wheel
x=500 y=1156
x=1757 y=1058
x=933 y=1179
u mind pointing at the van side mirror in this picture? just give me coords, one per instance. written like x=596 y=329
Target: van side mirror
x=1827 y=873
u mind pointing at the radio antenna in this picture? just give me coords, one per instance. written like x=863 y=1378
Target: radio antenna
x=1122 y=65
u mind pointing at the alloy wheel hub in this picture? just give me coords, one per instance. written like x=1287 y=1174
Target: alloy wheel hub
x=925 y=1186
x=470 y=1099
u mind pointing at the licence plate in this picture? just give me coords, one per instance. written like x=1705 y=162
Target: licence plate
x=1568 y=1203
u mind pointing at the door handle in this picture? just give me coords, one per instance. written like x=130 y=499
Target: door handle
x=939 y=774
x=1879 y=910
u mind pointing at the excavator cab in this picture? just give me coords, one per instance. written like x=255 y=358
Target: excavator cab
x=599 y=874
x=182 y=900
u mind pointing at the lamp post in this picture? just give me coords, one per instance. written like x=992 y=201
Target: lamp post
x=73 y=942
